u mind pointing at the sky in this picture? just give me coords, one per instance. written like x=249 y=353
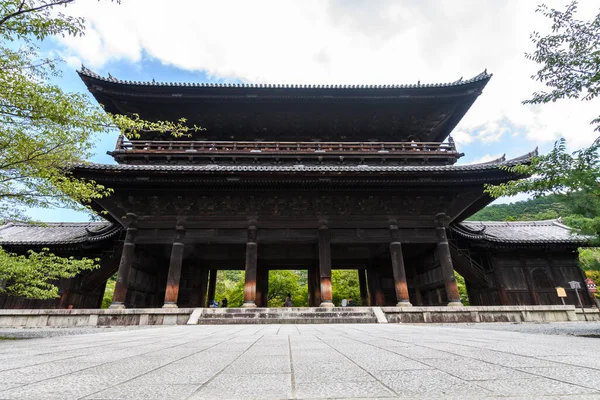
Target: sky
x=336 y=42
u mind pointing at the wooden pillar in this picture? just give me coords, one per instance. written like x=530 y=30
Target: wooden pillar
x=311 y=287
x=316 y=284
x=174 y=276
x=212 y=284
x=203 y=286
x=379 y=295
x=325 y=265
x=362 y=283
x=443 y=250
x=398 y=268
x=371 y=284
x=127 y=258
x=262 y=286
x=251 y=260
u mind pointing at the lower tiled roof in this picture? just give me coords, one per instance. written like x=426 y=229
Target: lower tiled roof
x=51 y=233
x=514 y=232
x=209 y=168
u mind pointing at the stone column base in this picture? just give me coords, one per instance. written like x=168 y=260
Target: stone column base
x=116 y=306
x=327 y=304
x=455 y=304
x=404 y=304
x=170 y=305
x=249 y=304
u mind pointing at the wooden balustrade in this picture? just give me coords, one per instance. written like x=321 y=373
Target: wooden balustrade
x=232 y=147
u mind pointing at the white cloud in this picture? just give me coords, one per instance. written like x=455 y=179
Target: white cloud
x=348 y=41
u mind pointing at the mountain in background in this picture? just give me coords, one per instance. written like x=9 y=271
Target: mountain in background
x=548 y=207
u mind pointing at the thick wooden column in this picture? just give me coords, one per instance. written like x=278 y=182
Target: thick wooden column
x=311 y=287
x=174 y=276
x=443 y=250
x=203 y=286
x=362 y=284
x=325 y=265
x=371 y=285
x=262 y=286
x=127 y=258
x=398 y=268
x=316 y=280
x=212 y=284
x=251 y=260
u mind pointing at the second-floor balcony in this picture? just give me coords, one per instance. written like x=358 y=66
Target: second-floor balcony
x=194 y=152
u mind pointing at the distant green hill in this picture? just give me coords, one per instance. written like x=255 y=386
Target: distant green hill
x=548 y=207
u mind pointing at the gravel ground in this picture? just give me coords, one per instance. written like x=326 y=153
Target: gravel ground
x=583 y=329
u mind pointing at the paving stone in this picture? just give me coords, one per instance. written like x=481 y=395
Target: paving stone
x=585 y=377
x=415 y=361
x=428 y=383
x=534 y=387
x=146 y=392
x=267 y=365
x=273 y=386
x=342 y=390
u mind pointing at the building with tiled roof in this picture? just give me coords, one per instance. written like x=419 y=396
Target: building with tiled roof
x=308 y=177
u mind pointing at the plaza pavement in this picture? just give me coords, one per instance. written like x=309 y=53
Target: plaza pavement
x=302 y=361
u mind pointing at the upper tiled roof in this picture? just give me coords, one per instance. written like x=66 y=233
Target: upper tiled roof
x=16 y=233
x=526 y=232
x=89 y=73
x=208 y=168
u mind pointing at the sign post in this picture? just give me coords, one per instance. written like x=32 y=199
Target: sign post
x=575 y=285
x=561 y=292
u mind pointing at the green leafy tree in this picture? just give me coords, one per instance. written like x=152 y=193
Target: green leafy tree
x=570 y=67
x=43 y=131
x=33 y=275
x=284 y=282
x=345 y=285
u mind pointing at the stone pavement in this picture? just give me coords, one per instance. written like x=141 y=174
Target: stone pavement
x=300 y=361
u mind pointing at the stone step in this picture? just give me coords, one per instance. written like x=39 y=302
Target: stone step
x=286 y=309
x=314 y=315
x=227 y=321
x=286 y=315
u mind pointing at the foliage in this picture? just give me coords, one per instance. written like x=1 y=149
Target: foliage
x=589 y=258
x=44 y=131
x=284 y=282
x=545 y=207
x=570 y=57
x=109 y=291
x=570 y=66
x=33 y=275
x=230 y=286
x=462 y=288
x=344 y=283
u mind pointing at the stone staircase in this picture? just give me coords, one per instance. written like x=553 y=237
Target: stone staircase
x=304 y=315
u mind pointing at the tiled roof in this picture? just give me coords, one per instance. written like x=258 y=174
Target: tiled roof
x=89 y=73
x=526 y=232
x=310 y=168
x=15 y=233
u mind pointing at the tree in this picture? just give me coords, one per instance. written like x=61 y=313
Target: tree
x=344 y=283
x=44 y=130
x=284 y=282
x=570 y=67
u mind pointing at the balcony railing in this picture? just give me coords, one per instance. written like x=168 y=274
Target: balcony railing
x=281 y=148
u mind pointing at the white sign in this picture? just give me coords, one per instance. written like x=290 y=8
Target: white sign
x=575 y=285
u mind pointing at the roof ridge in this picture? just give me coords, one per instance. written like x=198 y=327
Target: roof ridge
x=89 y=73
